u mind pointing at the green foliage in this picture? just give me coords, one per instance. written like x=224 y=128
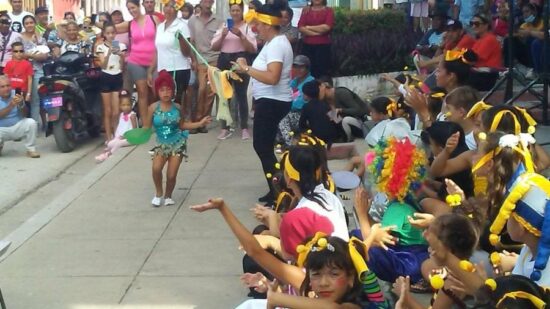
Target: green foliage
x=357 y=21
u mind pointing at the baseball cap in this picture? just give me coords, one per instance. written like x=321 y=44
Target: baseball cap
x=115 y=8
x=41 y=9
x=302 y=61
x=453 y=24
x=299 y=224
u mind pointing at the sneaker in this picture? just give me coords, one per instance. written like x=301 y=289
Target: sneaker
x=224 y=134
x=202 y=130
x=168 y=201
x=245 y=134
x=33 y=154
x=193 y=131
x=156 y=201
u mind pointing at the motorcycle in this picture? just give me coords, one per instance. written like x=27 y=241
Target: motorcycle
x=70 y=96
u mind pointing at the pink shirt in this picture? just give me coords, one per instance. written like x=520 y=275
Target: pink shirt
x=232 y=43
x=122 y=38
x=142 y=45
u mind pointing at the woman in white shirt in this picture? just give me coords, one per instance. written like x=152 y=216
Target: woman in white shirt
x=172 y=50
x=270 y=76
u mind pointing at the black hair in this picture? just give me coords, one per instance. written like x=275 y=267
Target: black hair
x=273 y=8
x=380 y=104
x=256 y=3
x=5 y=14
x=27 y=17
x=534 y=8
x=484 y=18
x=124 y=94
x=486 y=298
x=189 y=8
x=463 y=97
x=134 y=2
x=435 y=103
x=306 y=160
x=198 y=6
x=107 y=15
x=15 y=44
x=507 y=122
x=440 y=131
x=108 y=24
x=311 y=89
x=289 y=11
x=327 y=80
x=460 y=68
x=457 y=233
x=339 y=258
x=69 y=13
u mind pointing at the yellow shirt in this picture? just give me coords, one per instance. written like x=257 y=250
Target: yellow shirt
x=529 y=26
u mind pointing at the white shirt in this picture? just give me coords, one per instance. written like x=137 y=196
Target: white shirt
x=113 y=64
x=17 y=21
x=333 y=210
x=169 y=56
x=525 y=265
x=276 y=50
x=471 y=141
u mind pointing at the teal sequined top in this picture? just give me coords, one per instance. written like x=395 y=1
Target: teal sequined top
x=167 y=126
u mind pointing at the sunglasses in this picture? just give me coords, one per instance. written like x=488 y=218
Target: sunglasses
x=475 y=23
x=17 y=51
x=5 y=21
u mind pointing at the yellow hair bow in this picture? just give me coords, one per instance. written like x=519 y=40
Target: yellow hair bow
x=452 y=55
x=252 y=15
x=437 y=95
x=231 y=2
x=392 y=107
x=319 y=242
x=177 y=4
x=498 y=118
x=477 y=108
x=537 y=302
x=453 y=200
x=530 y=120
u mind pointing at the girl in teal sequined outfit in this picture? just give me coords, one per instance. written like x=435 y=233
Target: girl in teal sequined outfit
x=171 y=129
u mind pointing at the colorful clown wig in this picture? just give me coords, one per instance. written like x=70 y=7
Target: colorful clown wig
x=164 y=79
x=398 y=167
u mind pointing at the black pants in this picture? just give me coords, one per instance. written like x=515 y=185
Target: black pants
x=181 y=78
x=267 y=115
x=238 y=104
x=319 y=55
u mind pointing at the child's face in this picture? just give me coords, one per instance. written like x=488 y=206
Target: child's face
x=165 y=94
x=18 y=52
x=438 y=251
x=125 y=106
x=109 y=34
x=376 y=116
x=515 y=229
x=330 y=282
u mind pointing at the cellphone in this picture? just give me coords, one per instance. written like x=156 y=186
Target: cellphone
x=230 y=23
x=116 y=44
x=93 y=18
x=18 y=91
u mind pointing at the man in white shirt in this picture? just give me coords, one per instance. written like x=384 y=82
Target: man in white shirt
x=17 y=14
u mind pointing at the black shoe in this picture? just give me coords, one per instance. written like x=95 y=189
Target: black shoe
x=193 y=131
x=266 y=198
x=202 y=130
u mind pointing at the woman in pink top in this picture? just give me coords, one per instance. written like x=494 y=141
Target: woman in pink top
x=315 y=24
x=141 y=32
x=235 y=39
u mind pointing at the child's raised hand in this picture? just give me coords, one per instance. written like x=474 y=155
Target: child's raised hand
x=273 y=289
x=362 y=200
x=262 y=213
x=453 y=188
x=381 y=235
x=401 y=288
x=421 y=220
x=416 y=100
x=215 y=203
x=452 y=142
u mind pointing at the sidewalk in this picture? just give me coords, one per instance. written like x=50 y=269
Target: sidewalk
x=102 y=245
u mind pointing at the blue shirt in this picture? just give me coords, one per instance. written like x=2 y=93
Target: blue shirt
x=297 y=95
x=468 y=8
x=13 y=116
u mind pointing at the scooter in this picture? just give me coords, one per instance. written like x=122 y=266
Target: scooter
x=69 y=94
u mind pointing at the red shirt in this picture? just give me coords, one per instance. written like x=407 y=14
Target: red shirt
x=488 y=51
x=311 y=17
x=159 y=16
x=466 y=41
x=19 y=71
x=500 y=27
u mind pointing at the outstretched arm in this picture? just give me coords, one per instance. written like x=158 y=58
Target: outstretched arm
x=284 y=272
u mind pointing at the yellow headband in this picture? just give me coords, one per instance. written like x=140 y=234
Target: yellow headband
x=537 y=302
x=477 y=108
x=452 y=55
x=263 y=18
x=290 y=170
x=530 y=120
x=518 y=143
x=319 y=242
x=498 y=118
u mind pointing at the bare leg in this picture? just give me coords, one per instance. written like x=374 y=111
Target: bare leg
x=158 y=164
x=342 y=151
x=143 y=97
x=171 y=174
x=107 y=112
x=115 y=110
